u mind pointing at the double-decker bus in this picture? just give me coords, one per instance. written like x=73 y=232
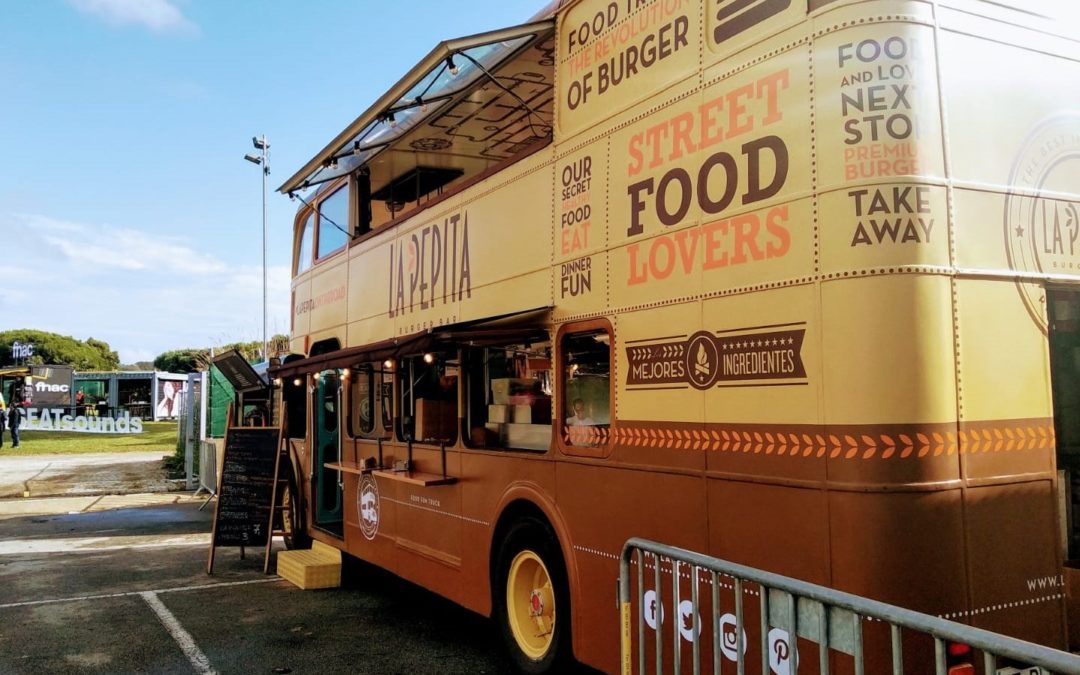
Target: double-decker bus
x=793 y=283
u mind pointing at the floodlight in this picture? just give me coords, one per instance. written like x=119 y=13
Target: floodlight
x=254 y=159
x=259 y=143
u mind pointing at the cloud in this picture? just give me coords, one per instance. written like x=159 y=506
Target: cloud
x=160 y=16
x=142 y=294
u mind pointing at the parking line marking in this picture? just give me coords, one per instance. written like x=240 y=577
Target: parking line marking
x=179 y=589
x=182 y=637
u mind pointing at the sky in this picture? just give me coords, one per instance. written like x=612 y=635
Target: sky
x=127 y=211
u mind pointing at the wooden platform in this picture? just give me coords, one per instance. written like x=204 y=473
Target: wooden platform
x=317 y=567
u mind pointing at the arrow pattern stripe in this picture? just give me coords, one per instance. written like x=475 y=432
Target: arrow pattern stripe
x=907 y=442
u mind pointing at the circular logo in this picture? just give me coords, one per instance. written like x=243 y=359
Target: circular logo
x=430 y=144
x=702 y=360
x=1042 y=226
x=367 y=505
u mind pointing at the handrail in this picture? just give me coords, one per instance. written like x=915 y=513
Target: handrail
x=991 y=644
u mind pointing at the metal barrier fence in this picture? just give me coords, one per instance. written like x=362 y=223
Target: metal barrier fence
x=831 y=619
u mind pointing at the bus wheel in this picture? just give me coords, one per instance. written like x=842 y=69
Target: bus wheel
x=531 y=598
x=292 y=521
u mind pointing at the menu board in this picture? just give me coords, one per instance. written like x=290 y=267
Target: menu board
x=242 y=515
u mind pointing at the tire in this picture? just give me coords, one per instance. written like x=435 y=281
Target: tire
x=292 y=519
x=530 y=578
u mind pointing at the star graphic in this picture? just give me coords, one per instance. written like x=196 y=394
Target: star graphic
x=1019 y=231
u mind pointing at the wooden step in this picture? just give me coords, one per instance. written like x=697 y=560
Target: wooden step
x=317 y=567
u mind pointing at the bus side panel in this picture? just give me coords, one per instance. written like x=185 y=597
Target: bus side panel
x=379 y=547
x=603 y=508
x=610 y=57
x=1016 y=583
x=904 y=548
x=489 y=481
x=329 y=288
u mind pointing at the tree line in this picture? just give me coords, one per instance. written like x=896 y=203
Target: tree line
x=92 y=354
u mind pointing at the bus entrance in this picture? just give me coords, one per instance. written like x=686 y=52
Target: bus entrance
x=327 y=443
x=1063 y=310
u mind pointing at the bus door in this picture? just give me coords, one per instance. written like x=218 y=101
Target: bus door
x=326 y=443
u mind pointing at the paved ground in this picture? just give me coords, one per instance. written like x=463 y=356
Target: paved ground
x=94 y=474
x=119 y=586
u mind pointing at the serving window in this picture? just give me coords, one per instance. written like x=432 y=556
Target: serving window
x=508 y=396
x=586 y=388
x=428 y=397
x=371 y=401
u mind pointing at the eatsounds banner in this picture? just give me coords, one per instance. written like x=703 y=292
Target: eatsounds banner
x=706 y=359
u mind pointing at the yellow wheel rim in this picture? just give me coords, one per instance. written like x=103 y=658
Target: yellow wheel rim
x=530 y=604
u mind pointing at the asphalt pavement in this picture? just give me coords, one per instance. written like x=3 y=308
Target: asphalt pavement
x=119 y=585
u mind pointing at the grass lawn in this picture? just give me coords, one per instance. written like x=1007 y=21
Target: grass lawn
x=156 y=437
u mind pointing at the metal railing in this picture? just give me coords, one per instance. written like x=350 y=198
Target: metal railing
x=831 y=619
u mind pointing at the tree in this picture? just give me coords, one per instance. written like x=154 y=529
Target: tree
x=51 y=348
x=182 y=360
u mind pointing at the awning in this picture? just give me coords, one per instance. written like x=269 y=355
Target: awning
x=429 y=92
x=525 y=326
x=238 y=371
x=16 y=370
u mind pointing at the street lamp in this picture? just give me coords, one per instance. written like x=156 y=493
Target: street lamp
x=262 y=160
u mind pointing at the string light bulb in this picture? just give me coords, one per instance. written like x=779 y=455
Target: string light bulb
x=388 y=364
x=451 y=66
x=296 y=382
x=429 y=358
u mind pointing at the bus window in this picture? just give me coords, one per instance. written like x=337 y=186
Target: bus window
x=586 y=387
x=369 y=402
x=303 y=255
x=427 y=386
x=333 y=222
x=508 y=397
x=293 y=391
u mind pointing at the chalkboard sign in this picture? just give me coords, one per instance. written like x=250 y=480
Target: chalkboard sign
x=242 y=515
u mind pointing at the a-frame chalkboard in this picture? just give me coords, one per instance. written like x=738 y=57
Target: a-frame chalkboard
x=246 y=490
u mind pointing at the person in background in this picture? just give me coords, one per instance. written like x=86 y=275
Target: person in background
x=3 y=419
x=80 y=402
x=15 y=417
x=579 y=418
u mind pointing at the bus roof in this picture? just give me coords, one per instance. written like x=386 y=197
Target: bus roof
x=452 y=71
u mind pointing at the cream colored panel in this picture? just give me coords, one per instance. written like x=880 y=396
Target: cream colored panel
x=888 y=350
x=515 y=294
x=580 y=274
x=706 y=187
x=301 y=307
x=581 y=202
x=884 y=225
x=582 y=285
x=329 y=289
x=731 y=27
x=491 y=236
x=876 y=103
x=615 y=53
x=1004 y=366
x=369 y=282
x=1000 y=99
x=769 y=367
x=652 y=372
x=982 y=233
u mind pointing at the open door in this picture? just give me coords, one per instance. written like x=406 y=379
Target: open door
x=326 y=442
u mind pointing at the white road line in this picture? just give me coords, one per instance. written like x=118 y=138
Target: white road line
x=182 y=637
x=98 y=544
x=179 y=589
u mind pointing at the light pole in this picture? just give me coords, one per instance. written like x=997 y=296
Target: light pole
x=262 y=160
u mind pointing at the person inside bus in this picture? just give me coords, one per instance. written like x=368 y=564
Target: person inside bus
x=579 y=418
